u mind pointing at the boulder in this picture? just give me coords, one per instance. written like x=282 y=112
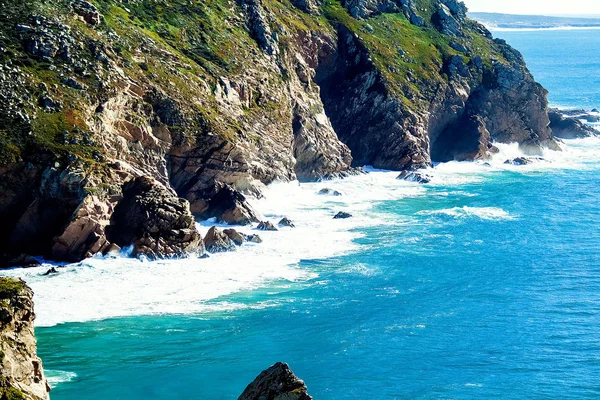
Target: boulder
x=154 y=220
x=266 y=226
x=235 y=236
x=414 y=176
x=276 y=383
x=51 y=271
x=217 y=241
x=342 y=215
x=87 y=11
x=523 y=160
x=286 y=222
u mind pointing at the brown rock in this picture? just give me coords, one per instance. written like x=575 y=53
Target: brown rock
x=217 y=241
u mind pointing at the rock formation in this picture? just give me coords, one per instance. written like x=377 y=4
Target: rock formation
x=21 y=371
x=95 y=104
x=569 y=127
x=276 y=383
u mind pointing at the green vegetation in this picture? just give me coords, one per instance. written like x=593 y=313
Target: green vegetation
x=10 y=288
x=11 y=394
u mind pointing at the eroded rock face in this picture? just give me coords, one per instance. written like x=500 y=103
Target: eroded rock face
x=154 y=220
x=276 y=383
x=21 y=370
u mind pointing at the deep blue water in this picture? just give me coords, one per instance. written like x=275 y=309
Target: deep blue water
x=566 y=62
x=478 y=288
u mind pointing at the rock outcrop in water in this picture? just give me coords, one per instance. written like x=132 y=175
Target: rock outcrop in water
x=570 y=127
x=21 y=371
x=276 y=383
x=213 y=100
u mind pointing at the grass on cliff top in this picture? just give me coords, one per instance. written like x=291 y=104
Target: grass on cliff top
x=10 y=287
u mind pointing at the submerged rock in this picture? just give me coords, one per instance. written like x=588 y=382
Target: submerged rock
x=217 y=241
x=414 y=176
x=342 y=215
x=523 y=160
x=276 y=383
x=329 y=192
x=51 y=271
x=254 y=239
x=266 y=226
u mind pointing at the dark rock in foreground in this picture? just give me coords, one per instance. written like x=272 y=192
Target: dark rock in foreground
x=569 y=127
x=276 y=383
x=342 y=215
x=523 y=160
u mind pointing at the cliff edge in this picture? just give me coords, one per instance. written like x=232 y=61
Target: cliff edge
x=21 y=371
x=106 y=104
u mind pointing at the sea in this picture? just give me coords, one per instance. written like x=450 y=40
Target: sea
x=484 y=283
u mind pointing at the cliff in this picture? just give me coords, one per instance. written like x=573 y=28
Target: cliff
x=107 y=104
x=21 y=372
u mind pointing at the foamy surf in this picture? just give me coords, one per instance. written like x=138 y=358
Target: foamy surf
x=106 y=287
x=56 y=377
x=485 y=213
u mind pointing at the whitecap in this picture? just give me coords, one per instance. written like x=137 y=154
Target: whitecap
x=56 y=377
x=485 y=213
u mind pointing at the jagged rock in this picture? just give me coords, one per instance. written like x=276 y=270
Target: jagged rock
x=235 y=236
x=329 y=192
x=457 y=8
x=73 y=83
x=445 y=22
x=410 y=12
x=286 y=222
x=277 y=382
x=309 y=6
x=154 y=220
x=217 y=241
x=21 y=370
x=51 y=271
x=569 y=127
x=87 y=11
x=259 y=26
x=414 y=176
x=228 y=206
x=266 y=226
x=342 y=215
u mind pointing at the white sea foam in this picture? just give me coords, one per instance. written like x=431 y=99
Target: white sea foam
x=100 y=288
x=56 y=377
x=486 y=213
x=105 y=287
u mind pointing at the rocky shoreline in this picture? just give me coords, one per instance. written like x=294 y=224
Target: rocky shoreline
x=113 y=137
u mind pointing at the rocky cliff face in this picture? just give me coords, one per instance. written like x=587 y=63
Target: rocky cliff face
x=21 y=372
x=202 y=103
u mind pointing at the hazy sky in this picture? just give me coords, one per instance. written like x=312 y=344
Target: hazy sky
x=544 y=7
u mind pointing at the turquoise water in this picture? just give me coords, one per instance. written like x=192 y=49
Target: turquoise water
x=485 y=284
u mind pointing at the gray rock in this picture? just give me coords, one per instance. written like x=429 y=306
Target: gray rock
x=445 y=22
x=237 y=238
x=569 y=127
